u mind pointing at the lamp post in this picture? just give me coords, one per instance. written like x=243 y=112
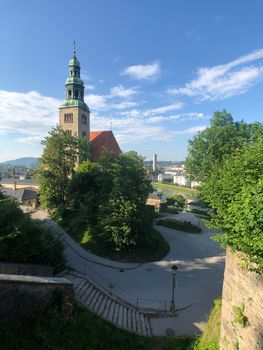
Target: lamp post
x=172 y=304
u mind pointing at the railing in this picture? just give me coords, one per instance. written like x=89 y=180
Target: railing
x=118 y=292
x=105 y=283
x=152 y=304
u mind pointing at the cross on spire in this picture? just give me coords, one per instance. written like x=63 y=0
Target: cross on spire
x=74 y=48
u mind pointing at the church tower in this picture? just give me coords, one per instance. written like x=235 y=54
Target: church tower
x=74 y=114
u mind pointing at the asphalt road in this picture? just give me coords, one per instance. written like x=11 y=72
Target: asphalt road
x=199 y=277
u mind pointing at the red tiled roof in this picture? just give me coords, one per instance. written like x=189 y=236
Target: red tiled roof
x=103 y=141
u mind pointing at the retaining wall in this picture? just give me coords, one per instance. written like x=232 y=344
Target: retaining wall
x=242 y=306
x=22 y=296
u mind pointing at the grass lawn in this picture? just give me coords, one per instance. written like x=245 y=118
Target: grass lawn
x=174 y=187
x=171 y=210
x=179 y=225
x=83 y=331
x=153 y=247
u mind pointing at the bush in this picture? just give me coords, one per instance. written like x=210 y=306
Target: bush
x=23 y=240
x=210 y=338
x=83 y=331
x=177 y=199
x=179 y=225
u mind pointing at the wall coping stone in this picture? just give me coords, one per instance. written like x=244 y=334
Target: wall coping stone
x=4 y=278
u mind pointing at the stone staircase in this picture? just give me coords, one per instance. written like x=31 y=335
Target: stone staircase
x=110 y=308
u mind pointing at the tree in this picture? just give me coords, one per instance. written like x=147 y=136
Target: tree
x=210 y=147
x=126 y=219
x=57 y=166
x=235 y=191
x=22 y=240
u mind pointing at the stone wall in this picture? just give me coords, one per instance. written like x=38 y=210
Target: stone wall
x=23 y=296
x=242 y=306
x=25 y=269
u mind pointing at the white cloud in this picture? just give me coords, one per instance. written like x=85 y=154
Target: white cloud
x=124 y=105
x=120 y=91
x=164 y=109
x=90 y=87
x=143 y=72
x=176 y=117
x=223 y=81
x=27 y=113
x=96 y=102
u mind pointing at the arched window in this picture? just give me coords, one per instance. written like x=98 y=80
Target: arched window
x=69 y=93
x=68 y=118
x=84 y=119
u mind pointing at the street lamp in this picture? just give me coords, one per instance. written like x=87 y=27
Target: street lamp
x=172 y=304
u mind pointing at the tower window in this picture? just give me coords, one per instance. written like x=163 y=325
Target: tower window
x=84 y=119
x=84 y=134
x=76 y=94
x=69 y=132
x=68 y=118
x=69 y=93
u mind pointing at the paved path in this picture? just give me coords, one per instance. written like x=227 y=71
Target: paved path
x=200 y=264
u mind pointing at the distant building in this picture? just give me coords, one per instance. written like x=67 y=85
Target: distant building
x=156 y=200
x=74 y=114
x=26 y=196
x=195 y=184
x=154 y=162
x=9 y=183
x=163 y=176
x=182 y=180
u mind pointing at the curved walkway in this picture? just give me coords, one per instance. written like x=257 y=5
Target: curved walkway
x=200 y=264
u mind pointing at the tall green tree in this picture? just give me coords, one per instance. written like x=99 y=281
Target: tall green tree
x=57 y=166
x=126 y=218
x=235 y=191
x=210 y=147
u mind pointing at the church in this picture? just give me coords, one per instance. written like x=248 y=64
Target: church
x=74 y=115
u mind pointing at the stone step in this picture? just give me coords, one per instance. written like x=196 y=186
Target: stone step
x=108 y=307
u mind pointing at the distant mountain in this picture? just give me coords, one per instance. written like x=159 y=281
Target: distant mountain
x=27 y=161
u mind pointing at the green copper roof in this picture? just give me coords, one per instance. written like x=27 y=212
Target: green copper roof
x=74 y=80
x=74 y=103
x=74 y=61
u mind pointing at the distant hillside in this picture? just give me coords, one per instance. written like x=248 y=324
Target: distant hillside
x=27 y=161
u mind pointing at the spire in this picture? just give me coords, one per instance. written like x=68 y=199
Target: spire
x=74 y=84
x=74 y=48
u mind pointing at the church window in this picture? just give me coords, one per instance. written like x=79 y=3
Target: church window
x=84 y=134
x=84 y=119
x=69 y=93
x=76 y=94
x=68 y=118
x=69 y=132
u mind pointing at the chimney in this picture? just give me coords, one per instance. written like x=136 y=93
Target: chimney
x=14 y=188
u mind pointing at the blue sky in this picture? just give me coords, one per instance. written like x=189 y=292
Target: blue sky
x=155 y=70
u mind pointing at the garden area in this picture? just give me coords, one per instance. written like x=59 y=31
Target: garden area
x=101 y=204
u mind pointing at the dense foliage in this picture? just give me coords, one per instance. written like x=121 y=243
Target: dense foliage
x=106 y=208
x=57 y=166
x=23 y=241
x=177 y=200
x=209 y=340
x=174 y=224
x=209 y=148
x=83 y=331
x=235 y=191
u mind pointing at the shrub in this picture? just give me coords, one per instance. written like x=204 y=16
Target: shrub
x=179 y=225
